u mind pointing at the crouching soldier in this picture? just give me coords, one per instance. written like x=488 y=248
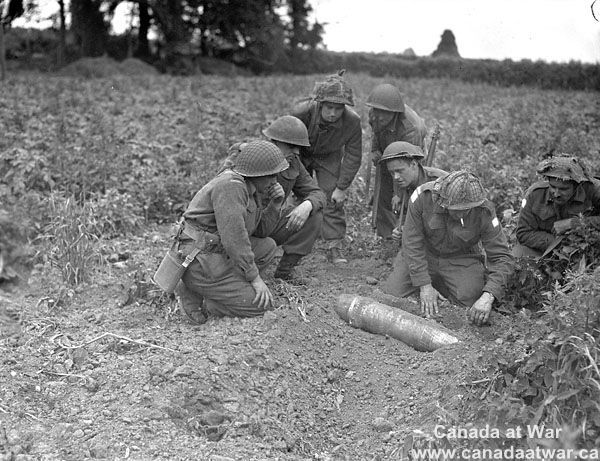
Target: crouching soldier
x=334 y=154
x=403 y=162
x=226 y=224
x=300 y=225
x=553 y=206
x=447 y=221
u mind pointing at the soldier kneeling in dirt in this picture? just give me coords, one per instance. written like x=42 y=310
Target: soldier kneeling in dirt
x=403 y=161
x=299 y=226
x=553 y=206
x=447 y=222
x=228 y=222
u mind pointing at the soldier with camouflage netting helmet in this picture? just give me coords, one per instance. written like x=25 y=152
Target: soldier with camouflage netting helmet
x=225 y=228
x=568 y=194
x=391 y=120
x=334 y=154
x=448 y=222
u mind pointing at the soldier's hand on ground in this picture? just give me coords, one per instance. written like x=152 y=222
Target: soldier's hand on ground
x=263 y=297
x=396 y=204
x=338 y=197
x=276 y=194
x=479 y=313
x=429 y=300
x=298 y=216
x=397 y=234
x=564 y=225
x=375 y=157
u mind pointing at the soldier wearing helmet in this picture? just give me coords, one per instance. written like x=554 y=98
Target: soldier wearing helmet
x=334 y=154
x=226 y=225
x=448 y=222
x=403 y=161
x=391 y=120
x=553 y=206
x=298 y=226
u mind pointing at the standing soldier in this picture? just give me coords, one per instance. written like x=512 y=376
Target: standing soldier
x=552 y=207
x=447 y=223
x=299 y=226
x=403 y=162
x=391 y=120
x=226 y=226
x=334 y=153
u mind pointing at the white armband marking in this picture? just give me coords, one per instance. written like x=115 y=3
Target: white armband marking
x=415 y=194
x=523 y=203
x=495 y=222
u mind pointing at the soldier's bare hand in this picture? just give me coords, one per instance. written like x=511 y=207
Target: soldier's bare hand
x=338 y=197
x=396 y=204
x=564 y=225
x=479 y=313
x=298 y=216
x=397 y=234
x=429 y=300
x=276 y=194
x=263 y=297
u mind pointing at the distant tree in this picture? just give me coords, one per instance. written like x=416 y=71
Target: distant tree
x=447 y=45
x=9 y=10
x=62 y=41
x=89 y=27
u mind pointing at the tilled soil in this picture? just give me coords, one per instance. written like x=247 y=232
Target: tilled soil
x=114 y=371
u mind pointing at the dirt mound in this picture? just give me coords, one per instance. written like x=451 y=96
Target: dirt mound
x=106 y=67
x=132 y=66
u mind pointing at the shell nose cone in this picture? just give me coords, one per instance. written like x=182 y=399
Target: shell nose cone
x=343 y=305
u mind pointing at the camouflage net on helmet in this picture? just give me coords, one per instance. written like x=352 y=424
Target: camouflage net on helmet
x=460 y=190
x=334 y=89
x=565 y=168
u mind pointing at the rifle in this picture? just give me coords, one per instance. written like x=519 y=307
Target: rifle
x=368 y=181
x=432 y=145
x=376 y=191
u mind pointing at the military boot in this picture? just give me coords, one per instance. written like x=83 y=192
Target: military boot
x=335 y=256
x=285 y=268
x=191 y=304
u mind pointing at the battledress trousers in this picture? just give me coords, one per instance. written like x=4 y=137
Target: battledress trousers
x=226 y=220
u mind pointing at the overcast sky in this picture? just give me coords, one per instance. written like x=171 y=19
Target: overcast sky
x=552 y=30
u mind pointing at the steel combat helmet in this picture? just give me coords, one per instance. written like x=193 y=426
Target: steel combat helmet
x=334 y=89
x=259 y=158
x=563 y=167
x=402 y=150
x=288 y=129
x=386 y=97
x=460 y=190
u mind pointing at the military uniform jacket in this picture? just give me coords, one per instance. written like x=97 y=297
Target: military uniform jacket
x=408 y=127
x=426 y=174
x=297 y=180
x=335 y=147
x=429 y=231
x=229 y=207
x=539 y=212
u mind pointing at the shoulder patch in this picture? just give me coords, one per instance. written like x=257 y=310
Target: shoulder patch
x=523 y=203
x=495 y=222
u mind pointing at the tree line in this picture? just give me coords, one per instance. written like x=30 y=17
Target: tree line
x=259 y=34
